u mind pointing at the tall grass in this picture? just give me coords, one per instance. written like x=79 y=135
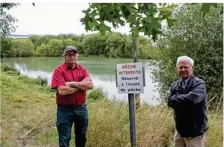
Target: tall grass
x=214 y=135
x=29 y=113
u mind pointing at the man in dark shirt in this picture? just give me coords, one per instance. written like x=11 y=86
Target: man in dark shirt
x=187 y=97
x=71 y=81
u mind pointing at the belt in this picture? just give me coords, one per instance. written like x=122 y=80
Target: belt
x=69 y=106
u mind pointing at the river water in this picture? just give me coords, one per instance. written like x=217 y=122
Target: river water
x=101 y=70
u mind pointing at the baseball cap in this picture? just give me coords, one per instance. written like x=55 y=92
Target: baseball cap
x=69 y=48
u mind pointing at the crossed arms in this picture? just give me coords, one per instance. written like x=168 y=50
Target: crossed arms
x=195 y=96
x=71 y=87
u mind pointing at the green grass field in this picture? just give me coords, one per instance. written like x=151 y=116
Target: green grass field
x=28 y=114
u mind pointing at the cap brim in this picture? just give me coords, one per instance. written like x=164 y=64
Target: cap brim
x=69 y=50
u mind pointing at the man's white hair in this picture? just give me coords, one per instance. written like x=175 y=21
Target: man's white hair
x=185 y=58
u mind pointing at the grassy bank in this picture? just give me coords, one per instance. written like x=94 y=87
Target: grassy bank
x=28 y=113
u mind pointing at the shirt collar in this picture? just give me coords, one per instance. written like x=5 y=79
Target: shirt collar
x=66 y=67
x=186 y=80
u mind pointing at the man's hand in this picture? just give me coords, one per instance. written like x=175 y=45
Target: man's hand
x=70 y=84
x=85 y=84
x=65 y=90
x=87 y=79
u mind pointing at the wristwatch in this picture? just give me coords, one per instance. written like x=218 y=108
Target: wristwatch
x=72 y=84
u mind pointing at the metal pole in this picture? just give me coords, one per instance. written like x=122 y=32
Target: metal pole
x=131 y=101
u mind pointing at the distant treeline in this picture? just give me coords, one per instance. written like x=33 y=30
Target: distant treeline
x=112 y=45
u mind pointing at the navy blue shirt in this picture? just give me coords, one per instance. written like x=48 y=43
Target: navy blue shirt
x=188 y=99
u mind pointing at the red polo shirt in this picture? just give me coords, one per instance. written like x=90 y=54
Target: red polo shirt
x=63 y=74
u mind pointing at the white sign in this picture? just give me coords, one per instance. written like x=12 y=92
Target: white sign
x=130 y=78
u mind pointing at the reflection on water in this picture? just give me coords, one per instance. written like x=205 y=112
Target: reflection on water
x=33 y=73
x=101 y=71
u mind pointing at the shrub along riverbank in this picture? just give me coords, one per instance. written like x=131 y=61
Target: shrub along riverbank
x=29 y=112
x=111 y=45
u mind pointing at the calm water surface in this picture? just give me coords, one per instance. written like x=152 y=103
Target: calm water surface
x=102 y=71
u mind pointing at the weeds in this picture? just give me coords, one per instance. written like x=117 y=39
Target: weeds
x=29 y=114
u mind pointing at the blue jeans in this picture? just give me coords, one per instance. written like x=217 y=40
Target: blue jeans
x=66 y=116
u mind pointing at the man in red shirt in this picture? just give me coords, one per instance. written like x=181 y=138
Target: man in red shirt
x=71 y=81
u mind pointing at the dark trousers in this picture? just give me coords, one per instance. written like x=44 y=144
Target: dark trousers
x=66 y=116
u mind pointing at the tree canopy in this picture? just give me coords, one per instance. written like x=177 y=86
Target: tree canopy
x=200 y=37
x=7 y=21
x=141 y=17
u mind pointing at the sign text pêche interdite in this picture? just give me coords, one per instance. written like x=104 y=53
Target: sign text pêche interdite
x=130 y=78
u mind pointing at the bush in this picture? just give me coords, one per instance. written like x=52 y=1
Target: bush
x=96 y=94
x=5 y=67
x=38 y=81
x=201 y=38
x=21 y=48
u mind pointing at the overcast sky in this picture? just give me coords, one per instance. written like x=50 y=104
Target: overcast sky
x=51 y=18
x=58 y=17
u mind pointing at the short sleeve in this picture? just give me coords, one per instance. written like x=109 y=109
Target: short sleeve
x=85 y=74
x=57 y=79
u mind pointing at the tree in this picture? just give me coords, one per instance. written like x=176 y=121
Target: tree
x=144 y=17
x=200 y=37
x=114 y=44
x=141 y=17
x=55 y=47
x=7 y=21
x=6 y=44
x=205 y=8
x=21 y=48
x=94 y=44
